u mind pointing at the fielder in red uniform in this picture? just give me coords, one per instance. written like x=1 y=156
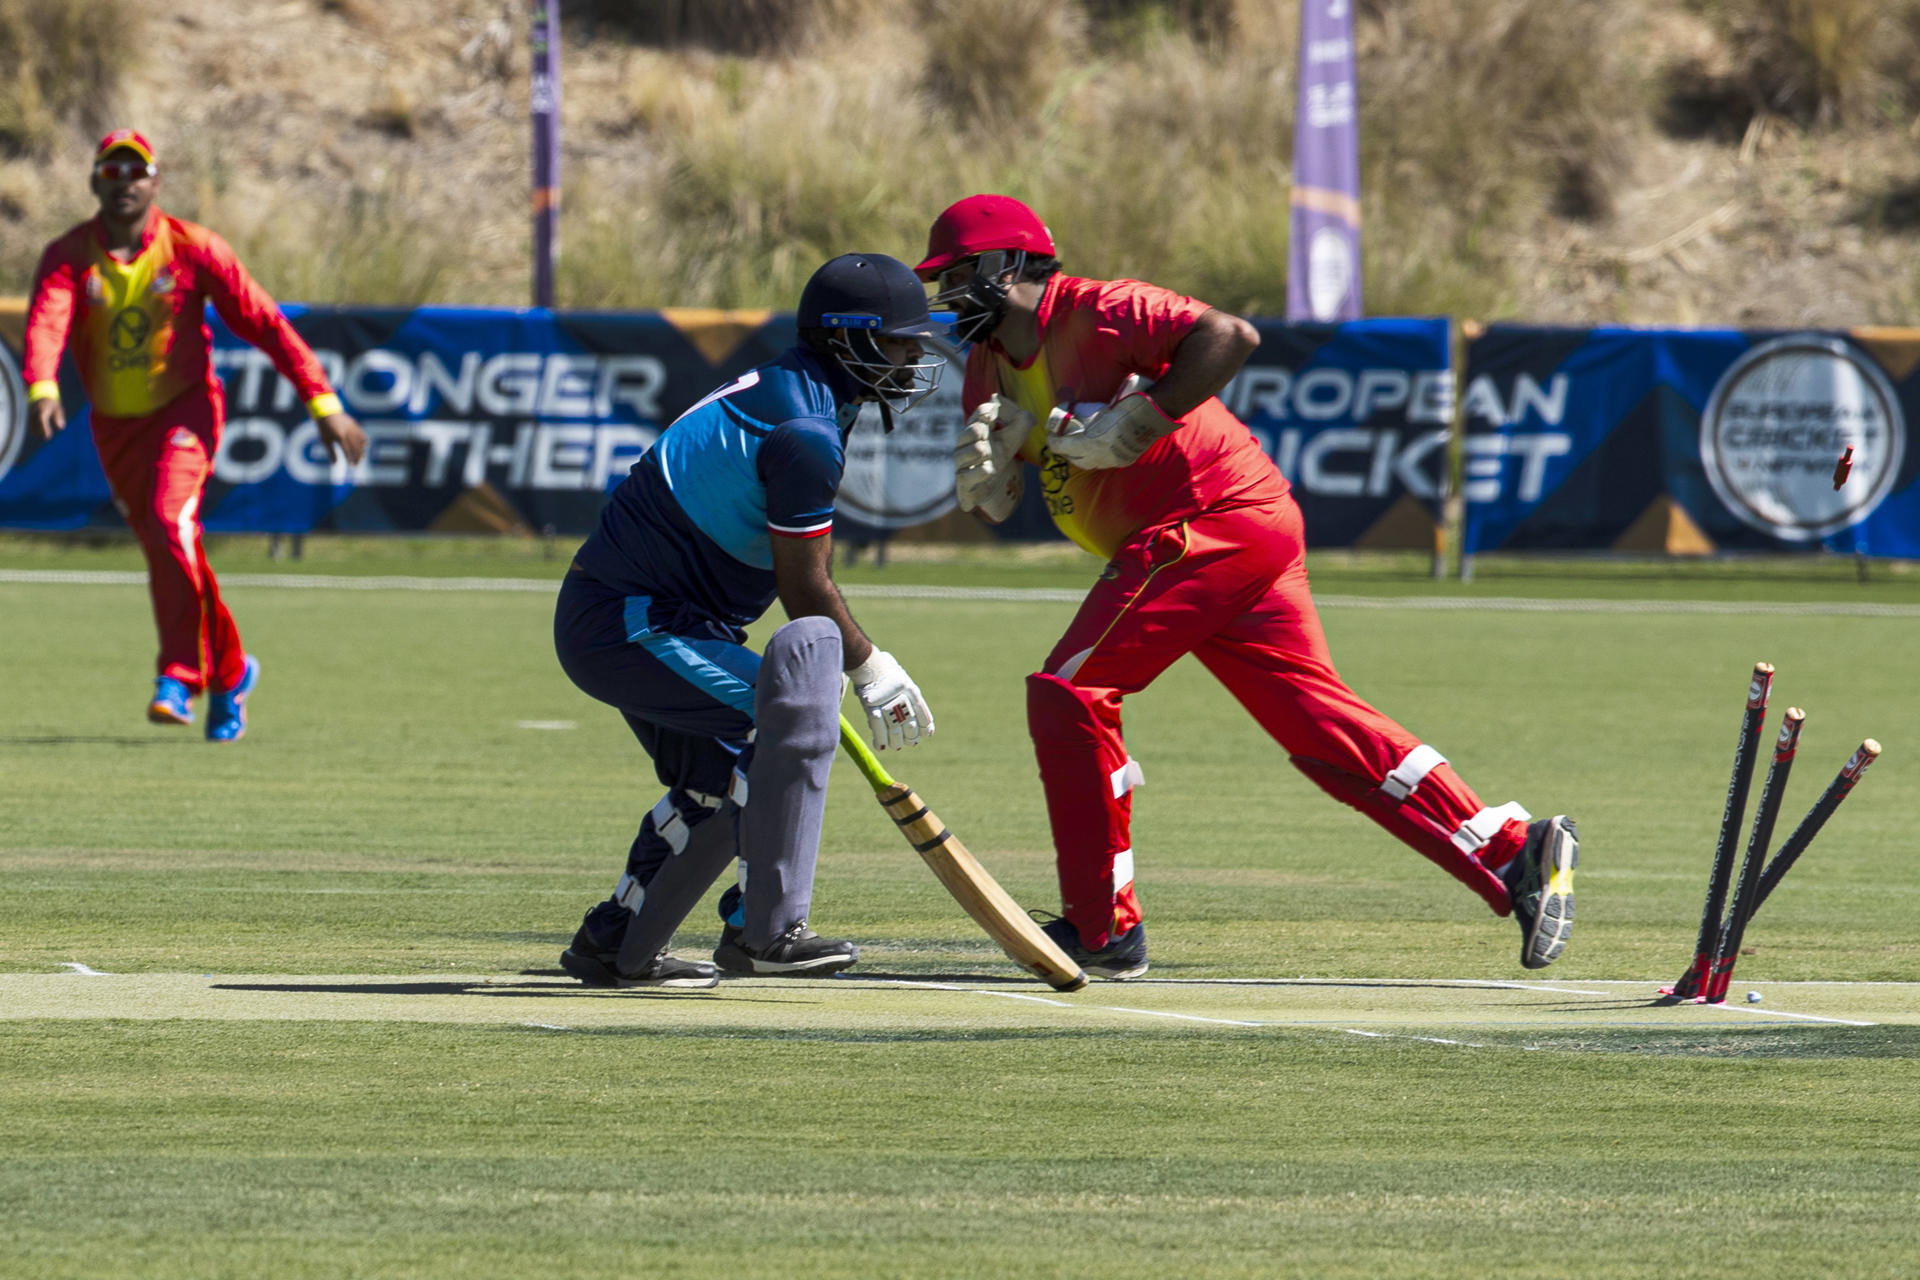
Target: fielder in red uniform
x=126 y=292
x=1108 y=388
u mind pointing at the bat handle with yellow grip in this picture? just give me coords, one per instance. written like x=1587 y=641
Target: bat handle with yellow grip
x=863 y=758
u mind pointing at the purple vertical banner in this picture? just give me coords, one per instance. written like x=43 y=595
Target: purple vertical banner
x=1323 y=267
x=545 y=99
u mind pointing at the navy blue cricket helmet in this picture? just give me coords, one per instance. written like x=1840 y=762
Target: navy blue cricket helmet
x=860 y=297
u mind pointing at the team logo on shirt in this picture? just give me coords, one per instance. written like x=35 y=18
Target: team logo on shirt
x=128 y=334
x=162 y=282
x=94 y=288
x=13 y=410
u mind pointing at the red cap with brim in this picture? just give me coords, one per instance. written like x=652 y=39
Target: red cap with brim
x=980 y=224
x=126 y=139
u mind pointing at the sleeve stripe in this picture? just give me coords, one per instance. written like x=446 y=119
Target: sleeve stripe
x=803 y=531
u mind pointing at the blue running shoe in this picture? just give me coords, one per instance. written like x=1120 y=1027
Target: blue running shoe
x=227 y=711
x=172 y=702
x=1124 y=956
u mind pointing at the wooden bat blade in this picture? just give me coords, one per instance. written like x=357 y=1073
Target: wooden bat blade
x=991 y=907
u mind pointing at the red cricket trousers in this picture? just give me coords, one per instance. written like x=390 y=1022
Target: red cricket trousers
x=1230 y=587
x=156 y=467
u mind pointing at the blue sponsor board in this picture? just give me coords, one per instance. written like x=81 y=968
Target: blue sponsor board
x=1690 y=440
x=1357 y=415
x=475 y=419
x=522 y=419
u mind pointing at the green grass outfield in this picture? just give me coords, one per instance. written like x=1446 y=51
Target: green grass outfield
x=290 y=1007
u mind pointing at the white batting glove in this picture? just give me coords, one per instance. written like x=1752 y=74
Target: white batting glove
x=1112 y=437
x=986 y=471
x=897 y=716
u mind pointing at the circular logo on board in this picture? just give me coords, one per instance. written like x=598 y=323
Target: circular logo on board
x=1329 y=272
x=904 y=477
x=1780 y=419
x=13 y=410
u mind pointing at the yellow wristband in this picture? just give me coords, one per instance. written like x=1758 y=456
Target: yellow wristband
x=322 y=405
x=46 y=389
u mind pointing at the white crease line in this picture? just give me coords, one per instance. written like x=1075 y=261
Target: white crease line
x=546 y=1026
x=543 y=724
x=1184 y=1017
x=1464 y=1044
x=79 y=968
x=1469 y=984
x=1352 y=1031
x=977 y=991
x=1782 y=1013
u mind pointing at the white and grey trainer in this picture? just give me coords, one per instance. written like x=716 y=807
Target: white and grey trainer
x=799 y=953
x=1540 y=881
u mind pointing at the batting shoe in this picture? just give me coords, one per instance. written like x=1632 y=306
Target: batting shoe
x=227 y=710
x=593 y=955
x=730 y=955
x=1124 y=956
x=797 y=953
x=1540 y=881
x=670 y=971
x=172 y=702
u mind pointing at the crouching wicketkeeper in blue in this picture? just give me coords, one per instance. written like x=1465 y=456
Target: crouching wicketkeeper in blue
x=731 y=509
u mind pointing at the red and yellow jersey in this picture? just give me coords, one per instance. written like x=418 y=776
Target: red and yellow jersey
x=1094 y=334
x=138 y=329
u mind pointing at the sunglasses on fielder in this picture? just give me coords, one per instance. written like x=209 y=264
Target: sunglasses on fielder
x=124 y=170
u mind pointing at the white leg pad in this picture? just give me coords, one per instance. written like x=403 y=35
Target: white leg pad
x=1411 y=772
x=630 y=893
x=1483 y=826
x=669 y=825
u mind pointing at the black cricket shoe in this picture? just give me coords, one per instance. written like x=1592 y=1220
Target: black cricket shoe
x=798 y=953
x=595 y=949
x=1540 y=882
x=730 y=955
x=594 y=956
x=1124 y=956
x=670 y=971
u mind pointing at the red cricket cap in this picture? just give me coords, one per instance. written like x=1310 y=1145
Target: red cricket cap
x=131 y=139
x=980 y=224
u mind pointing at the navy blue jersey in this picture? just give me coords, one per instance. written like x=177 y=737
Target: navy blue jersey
x=691 y=527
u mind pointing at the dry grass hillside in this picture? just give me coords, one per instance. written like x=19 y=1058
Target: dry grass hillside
x=1567 y=161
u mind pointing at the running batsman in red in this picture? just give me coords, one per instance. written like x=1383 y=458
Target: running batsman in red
x=1108 y=388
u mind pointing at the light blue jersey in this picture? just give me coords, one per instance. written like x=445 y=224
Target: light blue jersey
x=691 y=528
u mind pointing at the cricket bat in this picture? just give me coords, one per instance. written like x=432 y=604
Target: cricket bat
x=989 y=905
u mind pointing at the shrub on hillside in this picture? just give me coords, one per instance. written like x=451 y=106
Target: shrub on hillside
x=1168 y=159
x=1479 y=116
x=750 y=27
x=64 y=59
x=994 y=64
x=1816 y=61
